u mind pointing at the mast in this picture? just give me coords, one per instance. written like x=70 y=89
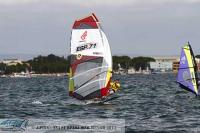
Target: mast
x=195 y=65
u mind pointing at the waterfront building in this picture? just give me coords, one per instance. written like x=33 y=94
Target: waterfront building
x=163 y=63
x=175 y=66
x=198 y=63
x=10 y=62
x=161 y=66
x=166 y=58
x=198 y=66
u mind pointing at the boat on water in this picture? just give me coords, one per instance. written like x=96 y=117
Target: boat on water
x=21 y=75
x=187 y=76
x=3 y=76
x=120 y=70
x=147 y=71
x=90 y=61
x=131 y=71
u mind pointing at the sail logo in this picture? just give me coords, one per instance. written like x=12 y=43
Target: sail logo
x=186 y=76
x=183 y=59
x=86 y=46
x=83 y=36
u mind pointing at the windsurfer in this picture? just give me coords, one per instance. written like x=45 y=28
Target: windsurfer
x=114 y=86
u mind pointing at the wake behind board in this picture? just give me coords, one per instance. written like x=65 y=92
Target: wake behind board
x=101 y=101
x=110 y=99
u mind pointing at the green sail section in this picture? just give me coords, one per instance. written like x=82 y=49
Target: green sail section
x=71 y=82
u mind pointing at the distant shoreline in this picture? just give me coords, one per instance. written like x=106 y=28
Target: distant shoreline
x=50 y=74
x=26 y=75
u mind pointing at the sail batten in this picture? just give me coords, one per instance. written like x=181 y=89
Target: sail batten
x=187 y=75
x=91 y=60
x=89 y=71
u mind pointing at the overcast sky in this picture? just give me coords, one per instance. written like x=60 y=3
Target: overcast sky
x=133 y=27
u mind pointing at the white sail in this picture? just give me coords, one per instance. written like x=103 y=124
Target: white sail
x=91 y=60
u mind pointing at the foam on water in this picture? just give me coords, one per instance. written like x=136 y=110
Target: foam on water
x=37 y=102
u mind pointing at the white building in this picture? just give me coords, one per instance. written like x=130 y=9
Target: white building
x=197 y=60
x=163 y=63
x=161 y=66
x=131 y=70
x=11 y=62
x=166 y=58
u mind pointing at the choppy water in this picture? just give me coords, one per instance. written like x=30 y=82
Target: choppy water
x=148 y=103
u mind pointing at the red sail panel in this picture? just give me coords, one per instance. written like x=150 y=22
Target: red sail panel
x=105 y=91
x=90 y=21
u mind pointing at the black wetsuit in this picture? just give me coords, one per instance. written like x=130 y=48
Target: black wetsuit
x=198 y=88
x=198 y=85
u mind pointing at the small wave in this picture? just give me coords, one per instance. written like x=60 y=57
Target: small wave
x=93 y=102
x=86 y=102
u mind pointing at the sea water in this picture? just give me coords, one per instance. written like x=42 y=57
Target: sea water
x=147 y=103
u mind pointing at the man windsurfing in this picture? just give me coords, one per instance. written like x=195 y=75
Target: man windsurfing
x=114 y=87
x=187 y=73
x=90 y=61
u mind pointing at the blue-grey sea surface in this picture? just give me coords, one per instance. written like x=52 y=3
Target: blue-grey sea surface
x=148 y=103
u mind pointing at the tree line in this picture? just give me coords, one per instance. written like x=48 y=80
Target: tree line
x=197 y=56
x=136 y=62
x=49 y=64
x=56 y=64
x=40 y=64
